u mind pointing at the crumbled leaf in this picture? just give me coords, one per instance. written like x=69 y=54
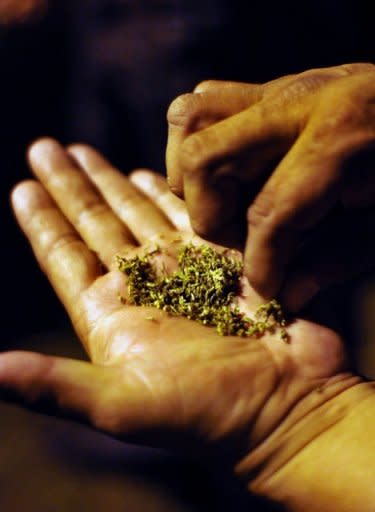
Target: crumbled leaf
x=203 y=289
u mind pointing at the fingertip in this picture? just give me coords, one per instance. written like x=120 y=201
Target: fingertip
x=144 y=180
x=47 y=384
x=21 y=190
x=208 y=85
x=179 y=109
x=87 y=157
x=77 y=148
x=142 y=175
x=261 y=288
x=40 y=147
x=264 y=275
x=19 y=370
x=20 y=359
x=78 y=152
x=26 y=196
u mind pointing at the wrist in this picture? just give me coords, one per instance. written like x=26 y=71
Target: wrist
x=317 y=450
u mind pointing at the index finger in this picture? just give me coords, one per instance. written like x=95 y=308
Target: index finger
x=211 y=102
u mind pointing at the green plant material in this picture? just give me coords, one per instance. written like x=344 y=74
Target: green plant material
x=203 y=289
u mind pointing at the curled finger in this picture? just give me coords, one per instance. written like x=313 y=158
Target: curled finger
x=211 y=102
x=307 y=185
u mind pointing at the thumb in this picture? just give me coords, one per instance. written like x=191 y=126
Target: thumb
x=53 y=385
x=108 y=398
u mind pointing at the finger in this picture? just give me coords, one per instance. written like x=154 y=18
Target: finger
x=305 y=186
x=193 y=112
x=272 y=112
x=217 y=210
x=68 y=263
x=140 y=215
x=305 y=81
x=248 y=145
x=224 y=163
x=289 y=204
x=311 y=79
x=80 y=202
x=344 y=248
x=51 y=384
x=234 y=88
x=156 y=188
x=104 y=397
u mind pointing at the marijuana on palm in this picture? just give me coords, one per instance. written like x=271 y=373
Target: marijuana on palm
x=203 y=289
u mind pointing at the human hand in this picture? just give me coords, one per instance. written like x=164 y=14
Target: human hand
x=287 y=164
x=20 y=10
x=168 y=381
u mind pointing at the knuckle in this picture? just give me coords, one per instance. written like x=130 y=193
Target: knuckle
x=358 y=67
x=338 y=97
x=293 y=87
x=64 y=241
x=129 y=199
x=192 y=153
x=305 y=84
x=91 y=212
x=338 y=115
x=271 y=216
x=346 y=111
x=351 y=92
x=203 y=150
x=261 y=212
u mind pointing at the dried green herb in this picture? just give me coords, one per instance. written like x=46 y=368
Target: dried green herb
x=203 y=289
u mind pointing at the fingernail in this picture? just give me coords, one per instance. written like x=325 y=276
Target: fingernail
x=297 y=296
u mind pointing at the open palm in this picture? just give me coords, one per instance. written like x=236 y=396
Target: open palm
x=155 y=378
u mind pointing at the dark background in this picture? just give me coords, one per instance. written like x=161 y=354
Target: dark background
x=104 y=72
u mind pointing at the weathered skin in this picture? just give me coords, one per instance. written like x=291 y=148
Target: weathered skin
x=263 y=407
x=282 y=169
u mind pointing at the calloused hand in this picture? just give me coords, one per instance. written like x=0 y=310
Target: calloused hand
x=167 y=381
x=286 y=168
